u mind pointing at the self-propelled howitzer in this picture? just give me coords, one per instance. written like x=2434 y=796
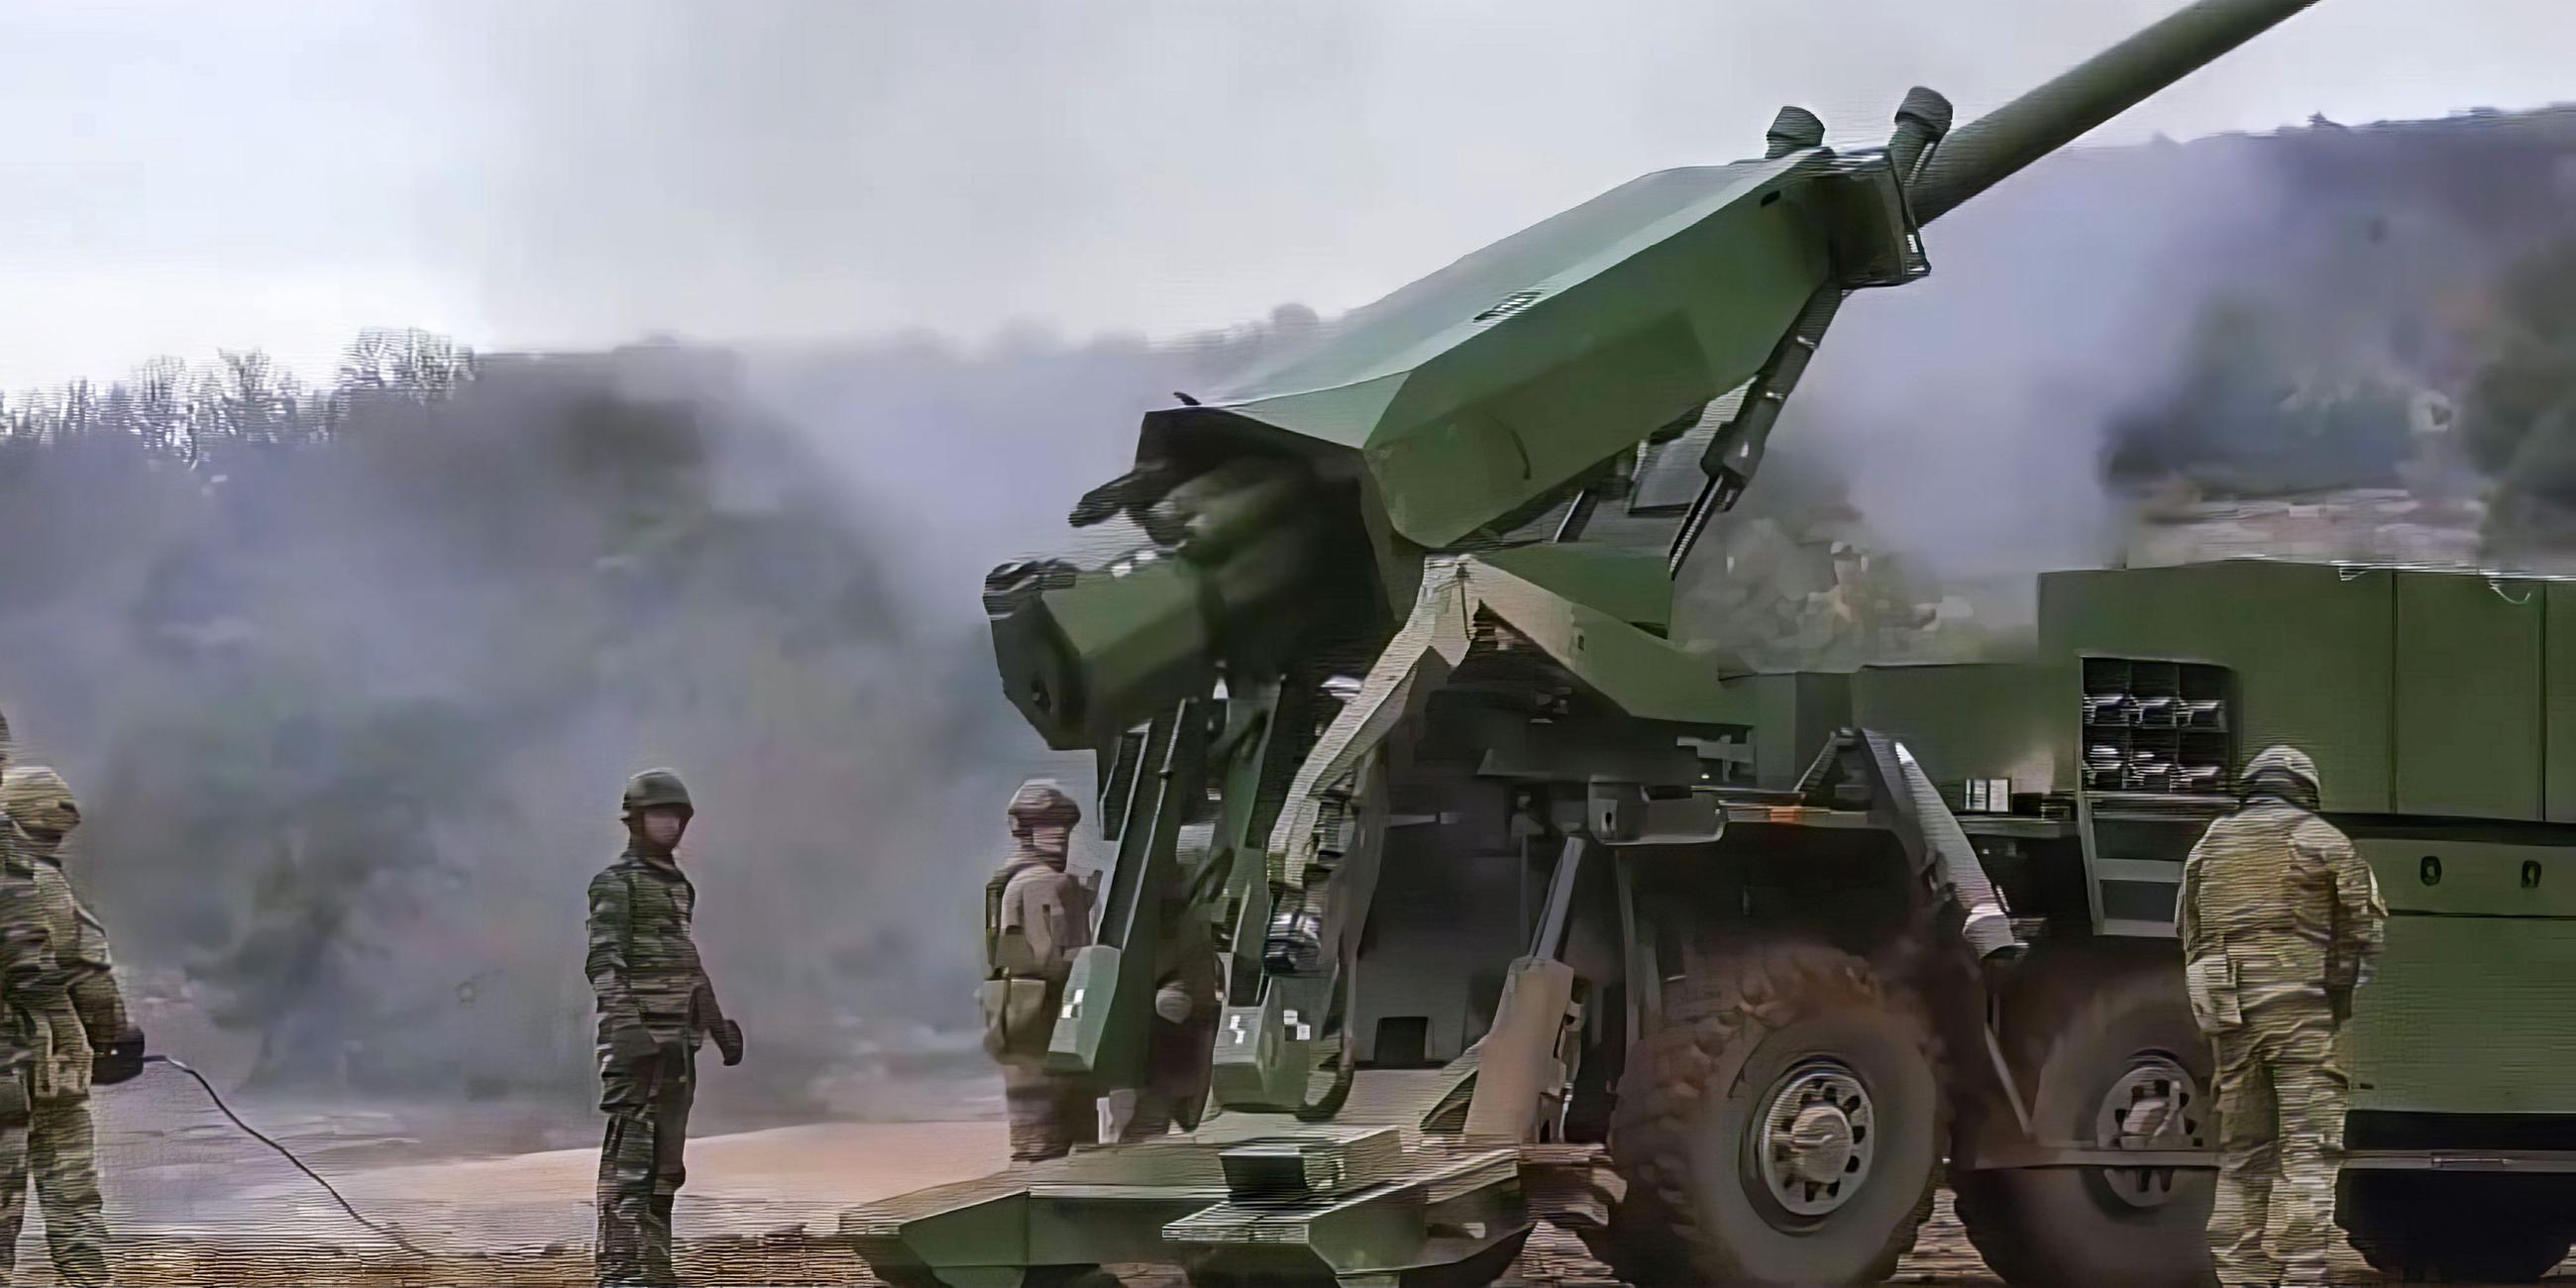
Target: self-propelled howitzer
x=1366 y=656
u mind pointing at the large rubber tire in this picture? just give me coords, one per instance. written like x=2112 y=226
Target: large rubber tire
x=2076 y=1024
x=2414 y=1226
x=1686 y=1132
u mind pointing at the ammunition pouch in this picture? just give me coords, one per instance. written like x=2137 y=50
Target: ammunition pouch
x=2210 y=979
x=117 y=1061
x=1019 y=1017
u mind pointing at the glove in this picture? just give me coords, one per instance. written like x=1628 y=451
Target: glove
x=632 y=1047
x=118 y=1061
x=728 y=1036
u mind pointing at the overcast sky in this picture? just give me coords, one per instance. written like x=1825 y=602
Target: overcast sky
x=177 y=177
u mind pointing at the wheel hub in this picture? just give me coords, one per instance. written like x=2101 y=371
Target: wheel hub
x=2153 y=1104
x=1816 y=1138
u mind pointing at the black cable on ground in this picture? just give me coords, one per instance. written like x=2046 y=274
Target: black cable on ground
x=287 y=1154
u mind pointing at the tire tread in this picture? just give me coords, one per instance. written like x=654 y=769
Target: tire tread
x=1655 y=1236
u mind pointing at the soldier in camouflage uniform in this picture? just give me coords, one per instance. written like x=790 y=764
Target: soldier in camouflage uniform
x=35 y=1001
x=1036 y=916
x=2280 y=922
x=96 y=1043
x=656 y=1006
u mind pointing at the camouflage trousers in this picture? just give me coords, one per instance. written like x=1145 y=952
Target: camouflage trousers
x=2281 y=1099
x=1050 y=1113
x=640 y=1172
x=59 y=1147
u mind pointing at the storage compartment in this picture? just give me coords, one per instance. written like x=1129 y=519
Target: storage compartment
x=2494 y=989
x=2558 y=695
x=2481 y=946
x=2468 y=709
x=2310 y=648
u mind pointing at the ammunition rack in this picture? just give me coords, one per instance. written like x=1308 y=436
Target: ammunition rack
x=2156 y=726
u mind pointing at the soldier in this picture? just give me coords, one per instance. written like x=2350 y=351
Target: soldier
x=656 y=1005
x=35 y=1002
x=2280 y=922
x=1036 y=916
x=96 y=1042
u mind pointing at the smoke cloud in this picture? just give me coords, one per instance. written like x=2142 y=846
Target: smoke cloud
x=1973 y=416
x=349 y=679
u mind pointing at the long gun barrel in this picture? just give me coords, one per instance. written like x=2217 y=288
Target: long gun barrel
x=1983 y=153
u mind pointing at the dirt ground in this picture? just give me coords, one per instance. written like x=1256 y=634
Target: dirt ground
x=196 y=1205
x=192 y=1207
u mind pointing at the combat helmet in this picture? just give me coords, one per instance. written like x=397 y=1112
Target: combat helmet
x=1040 y=803
x=37 y=799
x=651 y=788
x=2284 y=761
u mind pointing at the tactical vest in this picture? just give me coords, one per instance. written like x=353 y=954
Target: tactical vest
x=1017 y=1001
x=663 y=974
x=993 y=964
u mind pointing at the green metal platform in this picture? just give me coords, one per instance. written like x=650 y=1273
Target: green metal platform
x=1368 y=1198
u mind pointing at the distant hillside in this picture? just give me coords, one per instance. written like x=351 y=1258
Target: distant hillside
x=2244 y=316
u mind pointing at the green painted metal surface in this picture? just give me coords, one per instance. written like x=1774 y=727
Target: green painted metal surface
x=1792 y=716
x=2468 y=1015
x=2467 y=728
x=1644 y=675
x=1105 y=1024
x=1975 y=720
x=2312 y=647
x=1627 y=585
x=1507 y=373
x=2558 y=701
x=2473 y=878
x=2418 y=692
x=2468 y=1010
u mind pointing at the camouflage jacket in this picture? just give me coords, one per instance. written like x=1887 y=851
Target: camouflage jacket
x=35 y=994
x=2287 y=897
x=1037 y=915
x=98 y=1016
x=642 y=964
